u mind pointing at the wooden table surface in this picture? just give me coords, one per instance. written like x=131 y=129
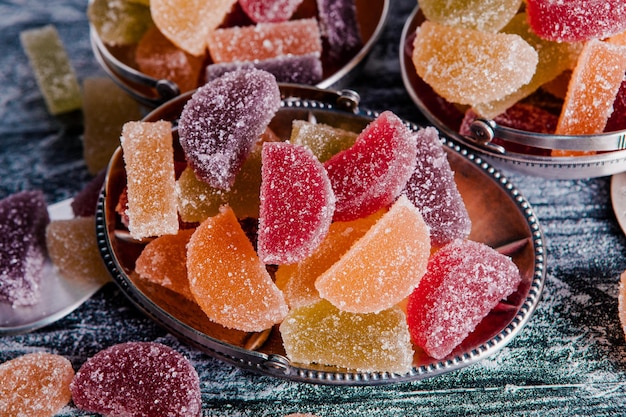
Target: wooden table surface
x=569 y=360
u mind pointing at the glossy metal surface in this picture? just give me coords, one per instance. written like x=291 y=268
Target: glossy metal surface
x=501 y=217
x=600 y=164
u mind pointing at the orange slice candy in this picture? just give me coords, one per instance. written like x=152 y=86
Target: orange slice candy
x=227 y=279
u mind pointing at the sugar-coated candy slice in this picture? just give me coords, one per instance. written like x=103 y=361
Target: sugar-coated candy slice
x=382 y=267
x=222 y=121
x=119 y=22
x=592 y=89
x=617 y=120
x=149 y=161
x=35 y=385
x=136 y=379
x=163 y=261
x=187 y=23
x=297 y=281
x=340 y=29
x=85 y=201
x=554 y=58
x=484 y=15
x=465 y=280
x=269 y=10
x=433 y=191
x=297 y=203
x=372 y=173
x=322 y=334
x=265 y=40
x=468 y=66
x=295 y=69
x=324 y=140
x=72 y=249
x=23 y=221
x=227 y=279
x=159 y=58
x=106 y=107
x=576 y=20
x=53 y=70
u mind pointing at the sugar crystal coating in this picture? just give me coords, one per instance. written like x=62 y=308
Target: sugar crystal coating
x=484 y=15
x=297 y=203
x=222 y=121
x=382 y=267
x=149 y=161
x=119 y=22
x=340 y=29
x=323 y=140
x=35 y=385
x=371 y=174
x=227 y=279
x=465 y=280
x=433 y=191
x=468 y=66
x=322 y=334
x=136 y=379
x=23 y=221
x=269 y=10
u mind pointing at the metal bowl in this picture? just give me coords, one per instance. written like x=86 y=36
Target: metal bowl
x=501 y=217
x=371 y=16
x=610 y=158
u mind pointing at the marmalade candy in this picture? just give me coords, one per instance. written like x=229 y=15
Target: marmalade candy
x=483 y=15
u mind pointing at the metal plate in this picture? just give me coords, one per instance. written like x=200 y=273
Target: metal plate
x=501 y=217
x=59 y=296
x=447 y=119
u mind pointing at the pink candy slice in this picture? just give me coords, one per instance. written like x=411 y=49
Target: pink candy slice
x=269 y=10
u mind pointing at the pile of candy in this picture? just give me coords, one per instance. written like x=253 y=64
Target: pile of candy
x=494 y=59
x=190 y=42
x=345 y=229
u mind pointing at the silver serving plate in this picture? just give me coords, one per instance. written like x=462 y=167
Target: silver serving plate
x=501 y=216
x=610 y=159
x=371 y=15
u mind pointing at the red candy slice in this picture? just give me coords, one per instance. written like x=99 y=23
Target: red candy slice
x=137 y=379
x=465 y=280
x=221 y=122
x=373 y=172
x=269 y=10
x=297 y=203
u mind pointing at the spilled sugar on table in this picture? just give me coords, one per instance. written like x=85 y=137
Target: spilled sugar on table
x=570 y=359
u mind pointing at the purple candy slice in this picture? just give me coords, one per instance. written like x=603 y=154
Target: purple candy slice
x=23 y=221
x=85 y=202
x=137 y=379
x=340 y=29
x=221 y=122
x=433 y=191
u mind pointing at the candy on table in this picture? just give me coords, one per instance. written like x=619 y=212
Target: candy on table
x=465 y=280
x=187 y=23
x=554 y=58
x=433 y=191
x=53 y=70
x=372 y=173
x=295 y=69
x=265 y=40
x=483 y=15
x=269 y=10
x=135 y=379
x=119 y=22
x=382 y=267
x=149 y=161
x=322 y=334
x=297 y=203
x=340 y=28
x=159 y=58
x=23 y=221
x=617 y=120
x=228 y=280
x=223 y=120
x=324 y=140
x=297 y=281
x=35 y=385
x=468 y=66
x=106 y=108
x=85 y=201
x=576 y=20
x=73 y=251
x=163 y=262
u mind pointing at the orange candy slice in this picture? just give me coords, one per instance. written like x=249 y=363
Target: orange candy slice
x=227 y=279
x=384 y=266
